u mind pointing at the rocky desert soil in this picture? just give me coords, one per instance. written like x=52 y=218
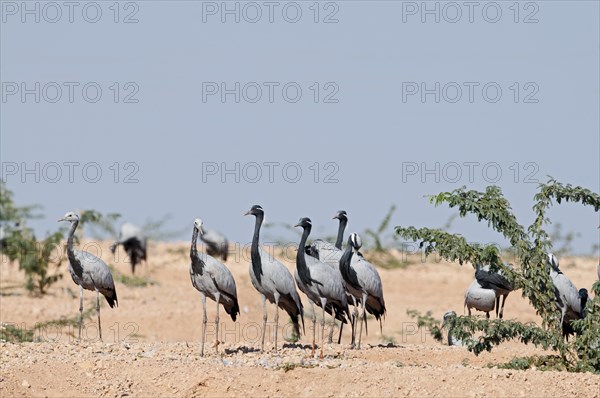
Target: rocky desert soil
x=151 y=344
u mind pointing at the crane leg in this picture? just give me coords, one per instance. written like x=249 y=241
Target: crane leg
x=203 y=325
x=262 y=344
x=80 y=310
x=363 y=319
x=276 y=319
x=98 y=310
x=314 y=328
x=341 y=328
x=497 y=305
x=330 y=338
x=502 y=308
x=323 y=304
x=218 y=297
x=354 y=319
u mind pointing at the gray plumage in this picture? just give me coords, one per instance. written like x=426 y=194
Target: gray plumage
x=452 y=341
x=90 y=273
x=216 y=244
x=331 y=254
x=496 y=281
x=568 y=300
x=321 y=283
x=364 y=284
x=325 y=251
x=273 y=281
x=213 y=279
x=135 y=243
x=479 y=298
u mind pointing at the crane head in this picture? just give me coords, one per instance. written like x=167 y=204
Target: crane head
x=304 y=222
x=70 y=216
x=255 y=211
x=552 y=261
x=449 y=314
x=198 y=225
x=341 y=215
x=355 y=241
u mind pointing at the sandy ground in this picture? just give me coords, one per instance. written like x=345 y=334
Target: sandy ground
x=151 y=341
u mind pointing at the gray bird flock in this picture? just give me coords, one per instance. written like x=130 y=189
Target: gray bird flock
x=331 y=277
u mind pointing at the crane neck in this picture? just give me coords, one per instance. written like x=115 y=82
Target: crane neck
x=301 y=266
x=257 y=225
x=254 y=253
x=583 y=303
x=346 y=257
x=340 y=235
x=197 y=261
x=194 y=247
x=76 y=265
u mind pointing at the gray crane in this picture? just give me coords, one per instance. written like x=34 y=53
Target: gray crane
x=213 y=279
x=452 y=340
x=325 y=251
x=322 y=284
x=134 y=242
x=273 y=281
x=331 y=255
x=363 y=283
x=217 y=244
x=479 y=298
x=90 y=273
x=496 y=281
x=569 y=301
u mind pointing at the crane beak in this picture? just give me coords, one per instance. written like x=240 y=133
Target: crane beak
x=61 y=219
x=247 y=213
x=297 y=225
x=334 y=217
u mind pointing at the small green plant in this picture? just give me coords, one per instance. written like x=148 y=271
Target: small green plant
x=155 y=229
x=562 y=241
x=293 y=337
x=39 y=259
x=130 y=280
x=15 y=334
x=101 y=225
x=66 y=321
x=287 y=366
x=432 y=324
x=542 y=362
x=530 y=247
x=375 y=237
x=385 y=339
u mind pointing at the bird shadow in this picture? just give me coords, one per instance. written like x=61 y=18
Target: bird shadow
x=388 y=345
x=297 y=345
x=8 y=294
x=243 y=349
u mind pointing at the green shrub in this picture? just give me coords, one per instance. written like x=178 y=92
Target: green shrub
x=530 y=246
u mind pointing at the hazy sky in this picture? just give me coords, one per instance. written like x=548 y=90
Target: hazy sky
x=202 y=109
